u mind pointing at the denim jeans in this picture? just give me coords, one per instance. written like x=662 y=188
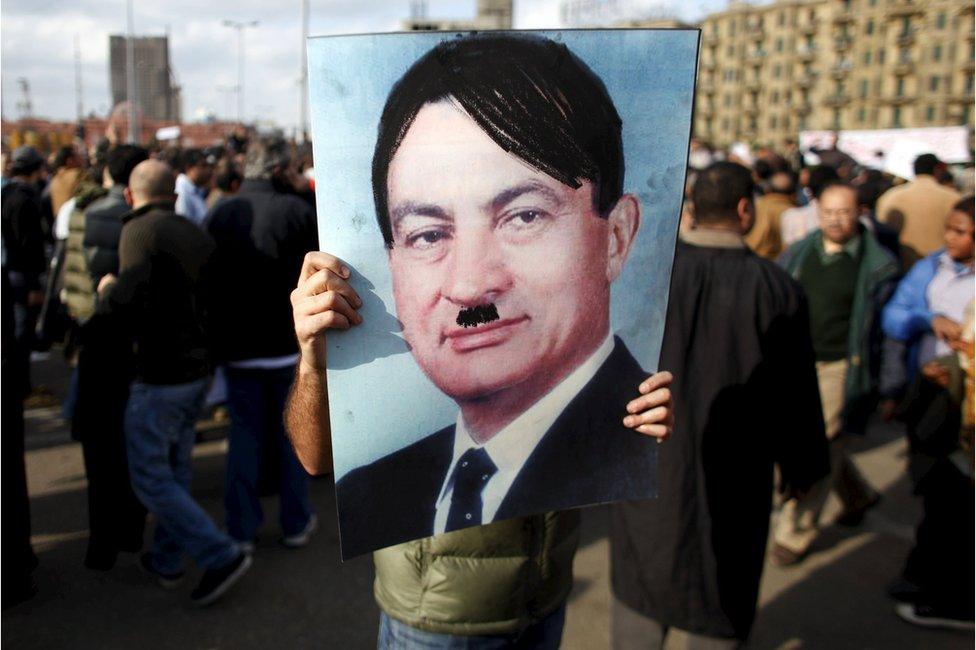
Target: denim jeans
x=159 y=433
x=543 y=635
x=256 y=401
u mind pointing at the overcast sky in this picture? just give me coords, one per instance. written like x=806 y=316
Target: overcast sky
x=38 y=37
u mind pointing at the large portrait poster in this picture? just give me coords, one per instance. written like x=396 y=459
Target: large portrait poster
x=508 y=203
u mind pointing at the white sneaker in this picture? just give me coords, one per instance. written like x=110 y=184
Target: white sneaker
x=302 y=538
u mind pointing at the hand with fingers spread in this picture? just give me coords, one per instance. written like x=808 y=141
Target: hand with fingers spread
x=652 y=413
x=322 y=300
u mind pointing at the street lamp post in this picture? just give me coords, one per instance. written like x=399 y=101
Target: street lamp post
x=240 y=27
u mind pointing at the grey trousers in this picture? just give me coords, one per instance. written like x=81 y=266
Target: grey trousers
x=633 y=631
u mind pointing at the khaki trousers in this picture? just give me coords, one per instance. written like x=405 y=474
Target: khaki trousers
x=799 y=518
x=634 y=631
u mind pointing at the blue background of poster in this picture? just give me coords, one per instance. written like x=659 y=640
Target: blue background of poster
x=380 y=399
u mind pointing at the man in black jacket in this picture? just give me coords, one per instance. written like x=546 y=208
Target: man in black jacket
x=24 y=259
x=116 y=519
x=737 y=336
x=159 y=296
x=262 y=235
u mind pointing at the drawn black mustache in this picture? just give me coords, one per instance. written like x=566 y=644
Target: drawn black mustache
x=473 y=316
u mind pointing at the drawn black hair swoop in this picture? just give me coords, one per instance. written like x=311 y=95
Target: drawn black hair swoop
x=531 y=95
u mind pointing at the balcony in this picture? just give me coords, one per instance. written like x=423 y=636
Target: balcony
x=843 y=15
x=904 y=66
x=843 y=43
x=806 y=79
x=706 y=87
x=837 y=99
x=709 y=39
x=841 y=69
x=755 y=30
x=806 y=52
x=707 y=65
x=754 y=84
x=808 y=27
x=902 y=8
x=906 y=38
x=899 y=100
x=751 y=108
x=706 y=110
x=802 y=107
x=755 y=56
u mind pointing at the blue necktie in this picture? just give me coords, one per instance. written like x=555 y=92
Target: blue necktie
x=472 y=473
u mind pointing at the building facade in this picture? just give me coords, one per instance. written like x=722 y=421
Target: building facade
x=156 y=92
x=767 y=72
x=490 y=14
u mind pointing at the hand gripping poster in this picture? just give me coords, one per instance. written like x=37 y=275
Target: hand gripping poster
x=508 y=203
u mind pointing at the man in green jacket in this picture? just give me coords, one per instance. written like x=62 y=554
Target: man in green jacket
x=502 y=583
x=848 y=278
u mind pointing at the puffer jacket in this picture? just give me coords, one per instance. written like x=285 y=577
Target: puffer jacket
x=492 y=579
x=78 y=290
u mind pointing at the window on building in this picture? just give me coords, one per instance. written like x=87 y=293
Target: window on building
x=772 y=122
x=867 y=58
x=869 y=27
x=861 y=114
x=937 y=53
x=899 y=86
x=732 y=26
x=779 y=45
x=864 y=88
x=725 y=124
x=782 y=18
x=777 y=71
x=969 y=83
x=940 y=21
x=933 y=84
x=872 y=2
x=930 y=114
x=775 y=96
x=964 y=115
x=896 y=116
x=730 y=50
x=836 y=120
x=906 y=25
x=727 y=101
x=881 y=56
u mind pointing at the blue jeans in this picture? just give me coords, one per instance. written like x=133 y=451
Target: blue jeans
x=543 y=635
x=256 y=401
x=159 y=434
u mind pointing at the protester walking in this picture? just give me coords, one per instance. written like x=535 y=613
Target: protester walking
x=116 y=518
x=686 y=566
x=848 y=277
x=916 y=209
x=927 y=313
x=193 y=184
x=159 y=294
x=502 y=584
x=262 y=235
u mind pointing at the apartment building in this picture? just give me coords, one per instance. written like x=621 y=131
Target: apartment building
x=767 y=72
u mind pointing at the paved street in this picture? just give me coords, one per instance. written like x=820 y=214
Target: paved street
x=308 y=599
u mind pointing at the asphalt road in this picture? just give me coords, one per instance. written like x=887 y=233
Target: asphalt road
x=309 y=599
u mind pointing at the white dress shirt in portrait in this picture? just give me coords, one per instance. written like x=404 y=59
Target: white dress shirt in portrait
x=512 y=446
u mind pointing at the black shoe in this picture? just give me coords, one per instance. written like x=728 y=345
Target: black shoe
x=928 y=616
x=854 y=517
x=216 y=582
x=164 y=580
x=904 y=591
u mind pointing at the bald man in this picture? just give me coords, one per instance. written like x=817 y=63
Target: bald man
x=158 y=294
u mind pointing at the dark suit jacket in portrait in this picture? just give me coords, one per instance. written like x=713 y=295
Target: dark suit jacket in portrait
x=587 y=456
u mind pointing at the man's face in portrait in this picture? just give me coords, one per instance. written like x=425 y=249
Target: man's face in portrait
x=474 y=226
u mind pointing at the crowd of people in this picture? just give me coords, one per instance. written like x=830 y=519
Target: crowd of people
x=807 y=289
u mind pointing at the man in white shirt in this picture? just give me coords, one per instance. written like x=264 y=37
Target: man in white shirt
x=192 y=185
